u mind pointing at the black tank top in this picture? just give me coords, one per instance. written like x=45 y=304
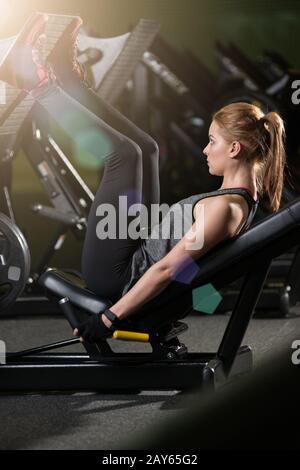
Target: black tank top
x=179 y=218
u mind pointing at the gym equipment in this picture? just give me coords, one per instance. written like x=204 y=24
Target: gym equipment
x=6 y=156
x=68 y=194
x=70 y=199
x=111 y=61
x=171 y=96
x=71 y=209
x=172 y=92
x=118 y=57
x=281 y=292
x=243 y=77
x=197 y=78
x=15 y=104
x=12 y=116
x=202 y=77
x=273 y=65
x=168 y=103
x=170 y=366
x=14 y=108
x=14 y=262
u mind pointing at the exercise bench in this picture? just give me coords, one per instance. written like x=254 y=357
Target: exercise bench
x=169 y=366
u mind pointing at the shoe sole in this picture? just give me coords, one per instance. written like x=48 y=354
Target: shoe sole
x=28 y=35
x=15 y=104
x=57 y=28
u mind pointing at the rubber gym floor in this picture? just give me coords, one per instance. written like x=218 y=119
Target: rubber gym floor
x=98 y=421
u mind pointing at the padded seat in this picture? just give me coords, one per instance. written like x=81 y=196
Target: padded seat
x=61 y=284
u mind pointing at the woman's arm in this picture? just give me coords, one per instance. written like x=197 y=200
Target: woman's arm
x=151 y=284
x=214 y=228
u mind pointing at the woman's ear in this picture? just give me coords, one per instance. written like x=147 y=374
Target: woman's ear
x=235 y=148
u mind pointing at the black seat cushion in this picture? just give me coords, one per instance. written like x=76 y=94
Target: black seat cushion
x=61 y=284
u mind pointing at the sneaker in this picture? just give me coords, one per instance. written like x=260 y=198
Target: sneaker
x=63 y=58
x=20 y=66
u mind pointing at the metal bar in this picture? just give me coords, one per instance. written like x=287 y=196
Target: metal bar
x=293 y=278
x=241 y=315
x=136 y=372
x=47 y=347
x=48 y=254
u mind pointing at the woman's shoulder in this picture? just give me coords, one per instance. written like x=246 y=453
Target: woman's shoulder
x=215 y=202
x=219 y=199
x=232 y=206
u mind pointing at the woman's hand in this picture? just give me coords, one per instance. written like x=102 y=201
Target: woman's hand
x=94 y=329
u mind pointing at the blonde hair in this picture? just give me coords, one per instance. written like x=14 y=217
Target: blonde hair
x=262 y=140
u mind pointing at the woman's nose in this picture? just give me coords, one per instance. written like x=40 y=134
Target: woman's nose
x=205 y=151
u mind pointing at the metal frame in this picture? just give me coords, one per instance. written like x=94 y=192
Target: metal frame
x=170 y=366
x=123 y=372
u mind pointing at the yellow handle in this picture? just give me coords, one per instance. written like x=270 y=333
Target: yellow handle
x=131 y=336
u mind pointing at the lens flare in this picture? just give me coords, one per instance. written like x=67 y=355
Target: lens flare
x=5 y=12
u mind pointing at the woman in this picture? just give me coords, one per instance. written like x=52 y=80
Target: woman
x=245 y=148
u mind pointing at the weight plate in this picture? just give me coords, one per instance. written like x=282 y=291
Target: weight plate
x=14 y=262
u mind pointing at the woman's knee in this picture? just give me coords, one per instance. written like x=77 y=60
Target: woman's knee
x=132 y=152
x=150 y=148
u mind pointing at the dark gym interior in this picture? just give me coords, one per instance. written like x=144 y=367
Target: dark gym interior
x=219 y=368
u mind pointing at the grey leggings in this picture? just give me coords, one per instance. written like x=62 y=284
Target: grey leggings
x=131 y=168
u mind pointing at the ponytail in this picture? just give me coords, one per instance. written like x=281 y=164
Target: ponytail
x=262 y=141
x=270 y=178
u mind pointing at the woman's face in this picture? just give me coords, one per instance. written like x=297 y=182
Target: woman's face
x=217 y=151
